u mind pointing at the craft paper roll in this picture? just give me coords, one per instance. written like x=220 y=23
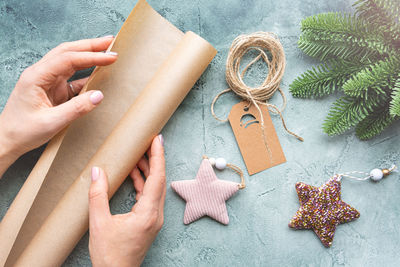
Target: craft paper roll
x=121 y=150
x=156 y=68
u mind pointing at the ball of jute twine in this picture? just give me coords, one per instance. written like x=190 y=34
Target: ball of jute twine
x=262 y=42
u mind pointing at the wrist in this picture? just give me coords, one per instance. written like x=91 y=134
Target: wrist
x=8 y=154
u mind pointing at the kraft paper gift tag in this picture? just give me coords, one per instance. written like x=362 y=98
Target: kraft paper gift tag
x=245 y=121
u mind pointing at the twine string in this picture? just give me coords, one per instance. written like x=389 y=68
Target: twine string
x=237 y=170
x=261 y=42
x=240 y=172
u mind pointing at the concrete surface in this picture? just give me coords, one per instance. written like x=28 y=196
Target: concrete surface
x=258 y=233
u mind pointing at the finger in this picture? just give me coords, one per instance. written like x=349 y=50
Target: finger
x=138 y=182
x=99 y=209
x=74 y=87
x=76 y=107
x=148 y=152
x=83 y=60
x=78 y=84
x=156 y=159
x=67 y=63
x=155 y=183
x=90 y=45
x=162 y=202
x=144 y=166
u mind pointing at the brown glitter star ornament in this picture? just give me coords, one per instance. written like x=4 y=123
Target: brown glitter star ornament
x=321 y=209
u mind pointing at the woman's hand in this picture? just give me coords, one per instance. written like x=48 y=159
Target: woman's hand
x=43 y=103
x=123 y=240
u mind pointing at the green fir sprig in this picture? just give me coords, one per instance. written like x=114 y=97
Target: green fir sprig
x=360 y=57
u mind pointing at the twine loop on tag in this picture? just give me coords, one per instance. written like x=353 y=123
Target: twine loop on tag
x=262 y=42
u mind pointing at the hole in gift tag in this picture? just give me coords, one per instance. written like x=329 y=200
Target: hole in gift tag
x=248 y=119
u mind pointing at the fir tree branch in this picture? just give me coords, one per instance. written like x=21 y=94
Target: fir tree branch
x=325 y=78
x=378 y=12
x=374 y=124
x=373 y=80
x=363 y=52
x=334 y=35
x=383 y=14
x=347 y=111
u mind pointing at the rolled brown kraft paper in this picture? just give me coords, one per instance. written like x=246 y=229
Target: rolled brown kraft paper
x=144 y=42
x=121 y=151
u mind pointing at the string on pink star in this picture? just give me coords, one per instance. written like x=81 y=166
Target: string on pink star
x=322 y=209
x=206 y=194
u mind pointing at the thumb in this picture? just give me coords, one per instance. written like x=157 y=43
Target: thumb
x=99 y=209
x=76 y=107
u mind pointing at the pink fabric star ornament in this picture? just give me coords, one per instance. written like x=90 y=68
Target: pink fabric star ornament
x=206 y=195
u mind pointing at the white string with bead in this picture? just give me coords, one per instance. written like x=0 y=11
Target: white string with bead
x=375 y=174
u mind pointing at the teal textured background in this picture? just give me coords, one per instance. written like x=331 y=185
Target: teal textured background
x=258 y=233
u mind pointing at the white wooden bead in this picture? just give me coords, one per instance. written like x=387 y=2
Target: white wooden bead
x=220 y=163
x=212 y=161
x=376 y=174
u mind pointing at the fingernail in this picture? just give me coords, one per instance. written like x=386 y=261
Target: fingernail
x=161 y=139
x=111 y=53
x=108 y=36
x=96 y=97
x=95 y=173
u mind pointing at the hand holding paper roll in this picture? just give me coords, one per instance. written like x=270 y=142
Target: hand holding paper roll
x=43 y=102
x=120 y=239
x=157 y=66
x=123 y=240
